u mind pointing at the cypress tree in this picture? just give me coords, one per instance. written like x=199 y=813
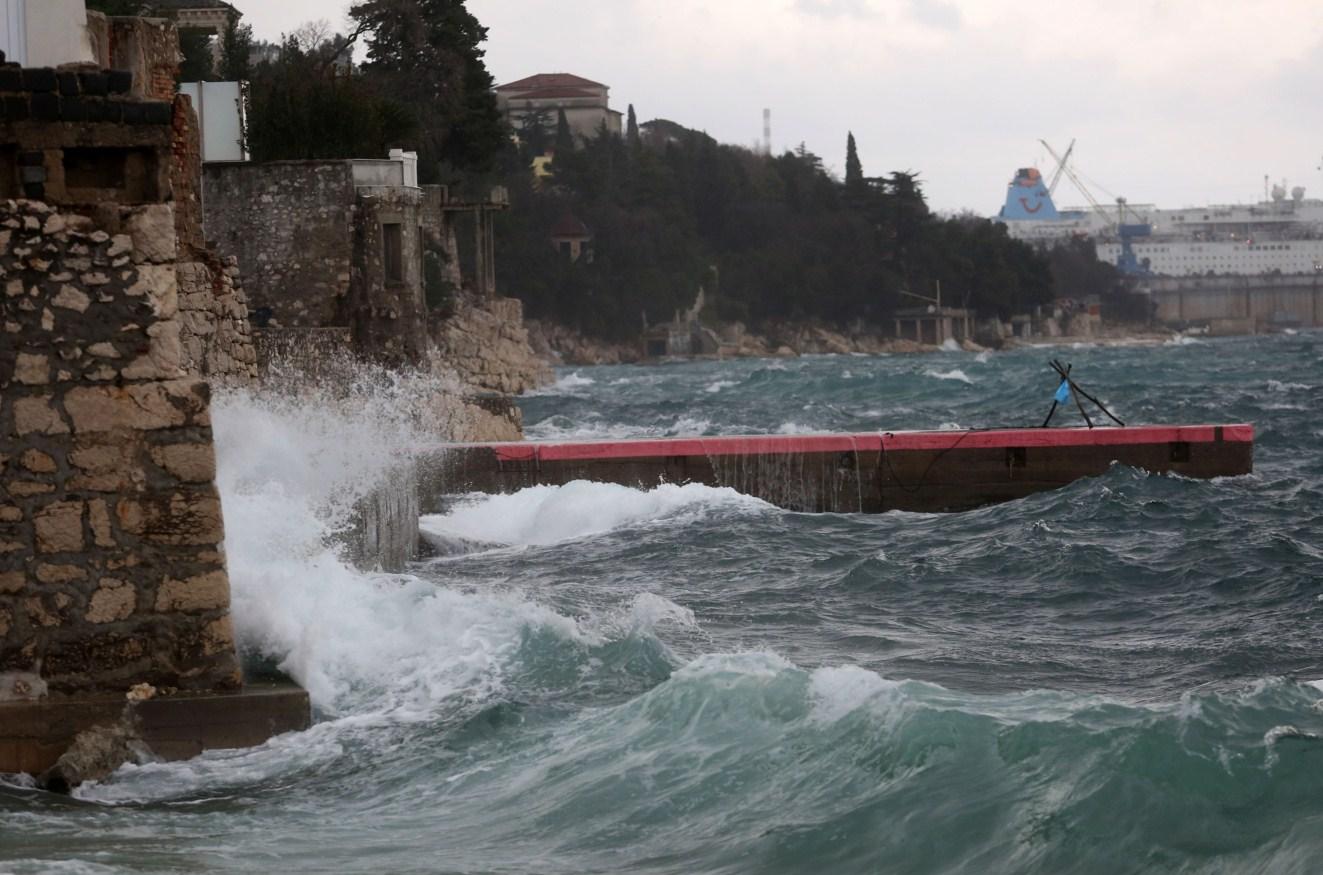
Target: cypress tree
x=564 y=137
x=854 y=171
x=632 y=129
x=236 y=53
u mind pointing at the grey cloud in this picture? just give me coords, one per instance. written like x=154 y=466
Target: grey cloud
x=936 y=13
x=837 y=8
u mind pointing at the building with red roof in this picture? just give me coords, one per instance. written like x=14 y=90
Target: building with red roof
x=541 y=98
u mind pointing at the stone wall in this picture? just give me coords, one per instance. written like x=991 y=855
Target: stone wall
x=111 y=564
x=146 y=49
x=214 y=326
x=215 y=337
x=486 y=344
x=290 y=225
x=387 y=311
x=304 y=350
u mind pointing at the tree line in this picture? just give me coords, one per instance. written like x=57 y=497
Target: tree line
x=768 y=237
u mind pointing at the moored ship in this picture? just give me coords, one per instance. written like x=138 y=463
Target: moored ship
x=1281 y=235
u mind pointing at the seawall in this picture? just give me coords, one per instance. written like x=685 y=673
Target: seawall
x=857 y=473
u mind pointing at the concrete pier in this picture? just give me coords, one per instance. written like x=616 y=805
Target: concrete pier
x=859 y=473
x=174 y=727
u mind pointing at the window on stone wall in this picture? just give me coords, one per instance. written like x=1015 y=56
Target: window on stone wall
x=422 y=251
x=9 y=173
x=392 y=251
x=108 y=174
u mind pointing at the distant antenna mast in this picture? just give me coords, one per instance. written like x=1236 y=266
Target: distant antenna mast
x=767 y=132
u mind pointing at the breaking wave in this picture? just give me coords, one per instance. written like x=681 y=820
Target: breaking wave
x=953 y=374
x=542 y=515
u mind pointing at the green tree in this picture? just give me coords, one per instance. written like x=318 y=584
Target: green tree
x=198 y=64
x=564 y=136
x=426 y=54
x=632 y=130
x=303 y=106
x=855 y=187
x=786 y=239
x=237 y=53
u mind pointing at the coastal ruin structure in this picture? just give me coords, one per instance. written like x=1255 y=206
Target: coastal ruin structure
x=335 y=255
x=934 y=325
x=116 y=316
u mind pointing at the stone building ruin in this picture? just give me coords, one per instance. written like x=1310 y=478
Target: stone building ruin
x=112 y=569
x=334 y=256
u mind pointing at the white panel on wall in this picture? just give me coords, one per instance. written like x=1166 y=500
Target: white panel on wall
x=219 y=106
x=14 y=31
x=56 y=33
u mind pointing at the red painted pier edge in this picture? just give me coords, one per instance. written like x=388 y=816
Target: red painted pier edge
x=871 y=472
x=746 y=445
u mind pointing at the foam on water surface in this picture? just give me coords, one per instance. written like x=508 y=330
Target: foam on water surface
x=541 y=515
x=679 y=679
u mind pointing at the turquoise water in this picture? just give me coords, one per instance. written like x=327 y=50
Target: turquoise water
x=1121 y=676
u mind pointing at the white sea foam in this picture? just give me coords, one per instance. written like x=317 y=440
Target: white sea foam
x=565 y=385
x=953 y=374
x=290 y=472
x=983 y=357
x=687 y=426
x=951 y=345
x=1182 y=340
x=560 y=428
x=717 y=385
x=541 y=515
x=592 y=427
x=840 y=690
x=648 y=611
x=1280 y=386
x=795 y=428
x=756 y=663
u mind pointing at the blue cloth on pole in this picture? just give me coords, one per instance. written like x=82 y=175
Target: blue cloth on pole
x=1063 y=393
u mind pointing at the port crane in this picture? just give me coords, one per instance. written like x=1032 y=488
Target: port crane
x=1061 y=166
x=1125 y=232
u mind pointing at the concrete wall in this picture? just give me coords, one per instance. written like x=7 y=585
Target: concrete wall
x=1261 y=300
x=290 y=225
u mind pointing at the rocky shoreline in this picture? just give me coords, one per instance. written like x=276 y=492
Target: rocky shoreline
x=560 y=345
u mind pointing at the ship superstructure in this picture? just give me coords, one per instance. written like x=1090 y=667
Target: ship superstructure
x=1283 y=234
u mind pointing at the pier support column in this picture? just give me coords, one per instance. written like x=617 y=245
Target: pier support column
x=484 y=261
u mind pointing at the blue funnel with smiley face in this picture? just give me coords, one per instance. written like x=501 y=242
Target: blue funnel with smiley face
x=1027 y=197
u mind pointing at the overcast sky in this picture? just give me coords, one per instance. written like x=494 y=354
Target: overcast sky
x=1173 y=102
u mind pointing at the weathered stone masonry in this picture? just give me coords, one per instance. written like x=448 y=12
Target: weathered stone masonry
x=112 y=575
x=111 y=571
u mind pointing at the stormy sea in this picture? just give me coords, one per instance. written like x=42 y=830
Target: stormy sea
x=1121 y=676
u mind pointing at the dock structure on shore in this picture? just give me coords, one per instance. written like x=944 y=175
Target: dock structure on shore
x=860 y=473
